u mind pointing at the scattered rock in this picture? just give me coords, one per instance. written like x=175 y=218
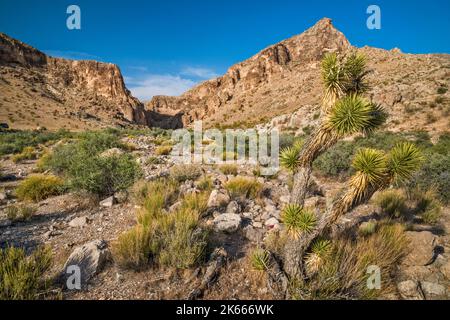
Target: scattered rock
x=432 y=290
x=445 y=269
x=409 y=290
x=121 y=196
x=420 y=248
x=90 y=258
x=253 y=234
x=284 y=199
x=108 y=202
x=79 y=222
x=227 y=222
x=272 y=223
x=218 y=198
x=233 y=207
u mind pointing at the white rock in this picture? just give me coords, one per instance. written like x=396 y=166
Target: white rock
x=233 y=207
x=271 y=223
x=227 y=222
x=409 y=290
x=432 y=290
x=108 y=202
x=78 y=222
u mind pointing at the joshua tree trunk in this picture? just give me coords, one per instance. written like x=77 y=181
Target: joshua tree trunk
x=302 y=179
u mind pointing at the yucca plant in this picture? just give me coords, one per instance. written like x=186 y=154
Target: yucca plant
x=289 y=158
x=404 y=160
x=259 y=259
x=320 y=250
x=298 y=220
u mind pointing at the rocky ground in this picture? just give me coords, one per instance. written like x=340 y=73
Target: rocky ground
x=78 y=226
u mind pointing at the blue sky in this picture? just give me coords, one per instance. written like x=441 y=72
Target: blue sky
x=166 y=47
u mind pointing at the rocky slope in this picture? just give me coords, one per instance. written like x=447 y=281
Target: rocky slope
x=38 y=90
x=285 y=78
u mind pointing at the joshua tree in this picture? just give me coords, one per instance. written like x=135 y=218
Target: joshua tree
x=344 y=112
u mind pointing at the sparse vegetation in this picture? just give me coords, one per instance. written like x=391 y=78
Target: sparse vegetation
x=163 y=150
x=39 y=187
x=19 y=213
x=229 y=169
x=244 y=187
x=22 y=276
x=175 y=239
x=259 y=259
x=392 y=202
x=184 y=172
x=28 y=153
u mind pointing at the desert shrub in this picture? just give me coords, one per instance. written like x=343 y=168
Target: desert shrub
x=153 y=160
x=163 y=150
x=229 y=169
x=174 y=239
x=344 y=273
x=392 y=202
x=28 y=153
x=442 y=90
x=434 y=174
x=185 y=172
x=132 y=249
x=205 y=183
x=367 y=228
x=85 y=169
x=15 y=141
x=19 y=213
x=428 y=205
x=337 y=160
x=39 y=187
x=259 y=259
x=21 y=276
x=244 y=187
x=103 y=175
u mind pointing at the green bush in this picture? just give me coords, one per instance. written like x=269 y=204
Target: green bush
x=163 y=150
x=392 y=202
x=104 y=175
x=15 y=141
x=85 y=169
x=39 y=187
x=434 y=174
x=21 y=276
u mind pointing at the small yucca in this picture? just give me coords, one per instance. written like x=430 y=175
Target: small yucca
x=298 y=220
x=320 y=250
x=260 y=259
x=289 y=158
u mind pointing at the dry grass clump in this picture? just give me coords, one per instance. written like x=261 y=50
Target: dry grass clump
x=19 y=213
x=21 y=275
x=392 y=202
x=28 y=153
x=163 y=150
x=174 y=239
x=343 y=273
x=184 y=172
x=229 y=169
x=244 y=187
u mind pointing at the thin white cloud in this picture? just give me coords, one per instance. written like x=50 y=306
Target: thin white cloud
x=157 y=84
x=202 y=73
x=138 y=68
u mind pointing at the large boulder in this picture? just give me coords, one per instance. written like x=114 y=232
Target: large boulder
x=421 y=248
x=90 y=258
x=227 y=222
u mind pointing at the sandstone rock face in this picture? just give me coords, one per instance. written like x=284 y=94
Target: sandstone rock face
x=88 y=89
x=282 y=82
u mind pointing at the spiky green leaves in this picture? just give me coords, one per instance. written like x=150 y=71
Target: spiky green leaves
x=259 y=259
x=333 y=76
x=289 y=157
x=371 y=163
x=404 y=159
x=298 y=220
x=320 y=250
x=355 y=71
x=354 y=114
